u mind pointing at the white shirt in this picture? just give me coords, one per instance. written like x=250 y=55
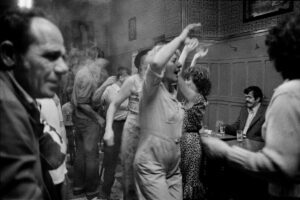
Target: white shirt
x=108 y=95
x=52 y=114
x=251 y=115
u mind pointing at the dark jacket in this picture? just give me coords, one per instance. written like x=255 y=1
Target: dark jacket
x=254 y=130
x=21 y=134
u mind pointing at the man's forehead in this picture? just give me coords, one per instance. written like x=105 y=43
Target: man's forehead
x=250 y=94
x=44 y=30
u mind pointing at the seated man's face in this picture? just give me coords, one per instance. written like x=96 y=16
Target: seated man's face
x=43 y=64
x=251 y=102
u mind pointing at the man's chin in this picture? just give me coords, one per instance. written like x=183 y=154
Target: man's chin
x=46 y=94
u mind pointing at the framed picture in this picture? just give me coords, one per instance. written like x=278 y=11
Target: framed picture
x=132 y=28
x=258 y=9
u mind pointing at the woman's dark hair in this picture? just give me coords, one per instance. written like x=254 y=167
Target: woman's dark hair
x=200 y=77
x=283 y=43
x=15 y=25
x=140 y=58
x=121 y=70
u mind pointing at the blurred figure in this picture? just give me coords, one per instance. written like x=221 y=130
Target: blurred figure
x=112 y=150
x=279 y=161
x=130 y=91
x=67 y=112
x=87 y=125
x=252 y=115
x=161 y=116
x=52 y=114
x=195 y=85
x=31 y=65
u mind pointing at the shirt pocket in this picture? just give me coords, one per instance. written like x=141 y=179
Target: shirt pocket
x=173 y=113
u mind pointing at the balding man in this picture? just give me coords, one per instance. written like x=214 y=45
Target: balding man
x=32 y=61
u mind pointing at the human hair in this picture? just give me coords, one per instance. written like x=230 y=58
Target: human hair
x=257 y=93
x=283 y=43
x=140 y=58
x=15 y=27
x=200 y=77
x=121 y=70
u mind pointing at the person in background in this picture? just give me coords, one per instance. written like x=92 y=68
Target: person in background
x=252 y=115
x=111 y=151
x=131 y=90
x=157 y=158
x=279 y=161
x=67 y=112
x=32 y=63
x=52 y=114
x=88 y=124
x=195 y=86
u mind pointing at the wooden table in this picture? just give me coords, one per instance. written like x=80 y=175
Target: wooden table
x=251 y=145
x=226 y=183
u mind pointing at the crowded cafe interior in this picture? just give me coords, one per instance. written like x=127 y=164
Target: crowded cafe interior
x=150 y=100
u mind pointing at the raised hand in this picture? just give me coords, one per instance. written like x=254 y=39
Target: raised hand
x=191 y=45
x=200 y=52
x=185 y=32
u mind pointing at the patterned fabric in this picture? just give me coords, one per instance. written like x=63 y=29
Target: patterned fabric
x=194 y=116
x=192 y=167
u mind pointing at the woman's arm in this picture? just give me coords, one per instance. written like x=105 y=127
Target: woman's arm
x=187 y=92
x=123 y=94
x=165 y=53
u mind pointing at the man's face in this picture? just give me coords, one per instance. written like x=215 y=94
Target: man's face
x=43 y=64
x=123 y=76
x=251 y=102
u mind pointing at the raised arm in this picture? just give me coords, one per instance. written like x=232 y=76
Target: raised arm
x=190 y=46
x=165 y=53
x=123 y=94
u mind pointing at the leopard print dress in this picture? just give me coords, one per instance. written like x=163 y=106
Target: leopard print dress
x=191 y=152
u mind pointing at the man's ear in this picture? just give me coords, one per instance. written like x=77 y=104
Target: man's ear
x=7 y=55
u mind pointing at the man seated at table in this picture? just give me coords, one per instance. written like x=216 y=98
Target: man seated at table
x=279 y=160
x=252 y=115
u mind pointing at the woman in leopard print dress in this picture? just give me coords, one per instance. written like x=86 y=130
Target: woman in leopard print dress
x=195 y=87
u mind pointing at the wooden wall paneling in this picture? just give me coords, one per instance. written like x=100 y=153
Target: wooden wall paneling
x=255 y=73
x=223 y=112
x=224 y=79
x=234 y=112
x=271 y=79
x=239 y=77
x=212 y=115
x=214 y=78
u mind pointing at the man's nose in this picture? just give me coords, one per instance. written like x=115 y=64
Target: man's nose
x=61 y=67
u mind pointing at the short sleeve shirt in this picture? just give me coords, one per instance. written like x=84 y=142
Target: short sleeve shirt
x=84 y=88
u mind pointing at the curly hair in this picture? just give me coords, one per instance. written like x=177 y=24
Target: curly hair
x=200 y=77
x=283 y=43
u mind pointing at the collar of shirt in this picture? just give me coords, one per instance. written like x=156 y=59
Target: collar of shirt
x=254 y=110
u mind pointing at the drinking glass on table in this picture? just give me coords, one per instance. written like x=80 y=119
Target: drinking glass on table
x=222 y=129
x=239 y=135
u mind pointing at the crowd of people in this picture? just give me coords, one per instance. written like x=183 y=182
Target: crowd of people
x=159 y=139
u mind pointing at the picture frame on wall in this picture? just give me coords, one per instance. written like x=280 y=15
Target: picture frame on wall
x=259 y=9
x=132 y=28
